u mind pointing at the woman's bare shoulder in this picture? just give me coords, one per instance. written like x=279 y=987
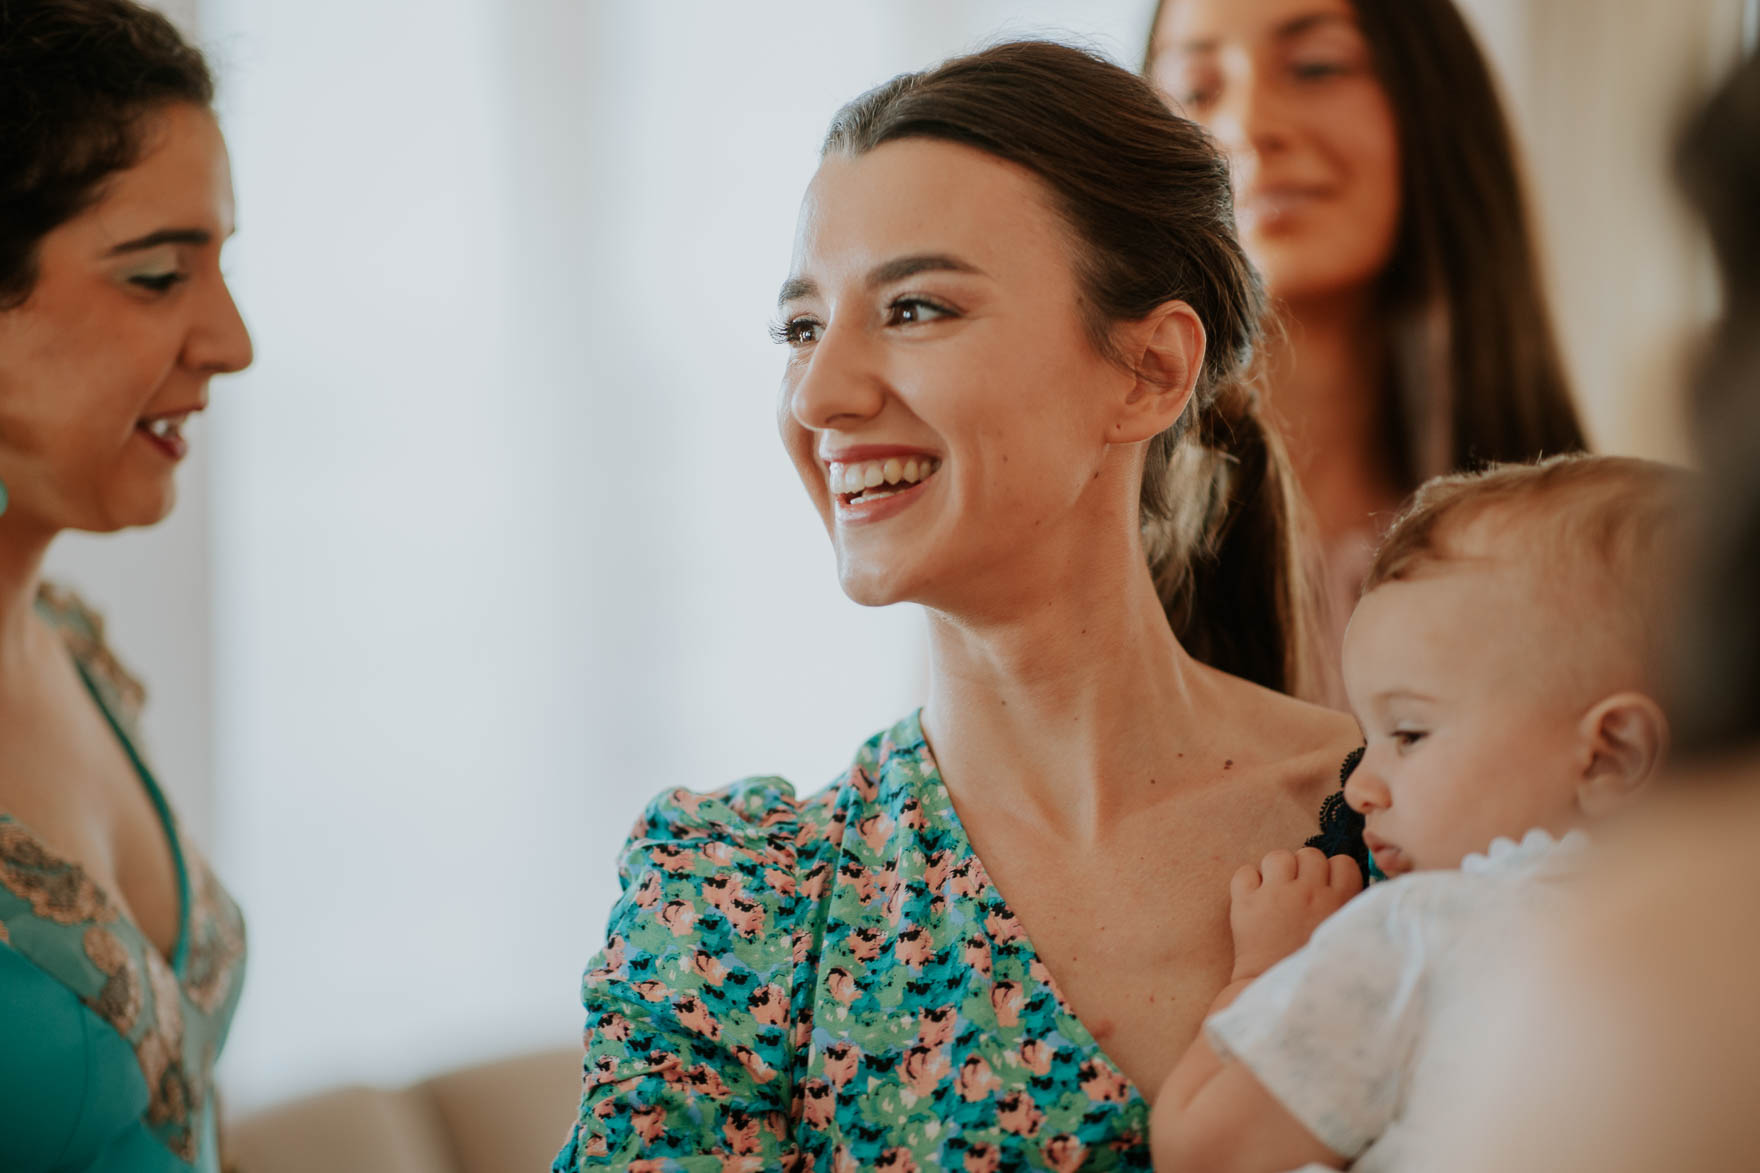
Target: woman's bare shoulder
x=1300 y=745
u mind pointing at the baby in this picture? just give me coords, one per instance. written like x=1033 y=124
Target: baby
x=1499 y=663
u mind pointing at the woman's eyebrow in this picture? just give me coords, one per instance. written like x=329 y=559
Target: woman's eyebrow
x=885 y=273
x=196 y=236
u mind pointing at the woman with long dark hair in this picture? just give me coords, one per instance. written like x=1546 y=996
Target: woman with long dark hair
x=121 y=957
x=1019 y=330
x=1377 y=191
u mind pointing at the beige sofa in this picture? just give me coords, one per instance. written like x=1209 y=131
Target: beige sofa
x=505 y=1117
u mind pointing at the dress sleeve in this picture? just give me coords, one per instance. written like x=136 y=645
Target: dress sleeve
x=1330 y=1028
x=689 y=1024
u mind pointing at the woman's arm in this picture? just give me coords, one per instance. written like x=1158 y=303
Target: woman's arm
x=1213 y=1114
x=688 y=1034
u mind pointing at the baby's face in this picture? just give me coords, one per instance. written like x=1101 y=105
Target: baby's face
x=1470 y=725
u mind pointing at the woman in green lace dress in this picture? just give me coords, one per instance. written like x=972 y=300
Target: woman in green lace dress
x=1019 y=329
x=121 y=958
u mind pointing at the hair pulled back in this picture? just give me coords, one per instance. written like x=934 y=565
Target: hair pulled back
x=1477 y=377
x=1147 y=199
x=77 y=78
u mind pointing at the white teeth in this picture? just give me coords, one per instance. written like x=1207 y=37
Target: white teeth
x=886 y=476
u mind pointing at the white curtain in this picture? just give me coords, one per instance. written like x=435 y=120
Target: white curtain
x=503 y=539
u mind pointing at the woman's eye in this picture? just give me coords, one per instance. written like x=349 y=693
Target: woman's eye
x=908 y=311
x=158 y=282
x=1318 y=70
x=795 y=332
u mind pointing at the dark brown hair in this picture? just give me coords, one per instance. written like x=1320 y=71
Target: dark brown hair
x=1147 y=200
x=1477 y=373
x=77 y=78
x=1715 y=704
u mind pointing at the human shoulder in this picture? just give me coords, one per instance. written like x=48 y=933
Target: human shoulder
x=1301 y=746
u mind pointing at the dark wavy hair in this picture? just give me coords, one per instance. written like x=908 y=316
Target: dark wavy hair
x=77 y=78
x=1147 y=198
x=1478 y=378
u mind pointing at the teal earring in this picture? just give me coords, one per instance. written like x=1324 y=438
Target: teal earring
x=3 y=498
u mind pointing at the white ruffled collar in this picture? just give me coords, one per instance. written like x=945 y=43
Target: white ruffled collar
x=1538 y=847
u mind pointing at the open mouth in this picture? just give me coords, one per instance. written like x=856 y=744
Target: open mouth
x=864 y=482
x=165 y=433
x=1389 y=859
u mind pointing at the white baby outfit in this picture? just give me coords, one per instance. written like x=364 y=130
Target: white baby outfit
x=1351 y=1031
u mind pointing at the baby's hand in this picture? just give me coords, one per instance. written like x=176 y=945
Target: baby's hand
x=1275 y=906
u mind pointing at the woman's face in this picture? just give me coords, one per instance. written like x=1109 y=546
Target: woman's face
x=109 y=357
x=1288 y=90
x=942 y=401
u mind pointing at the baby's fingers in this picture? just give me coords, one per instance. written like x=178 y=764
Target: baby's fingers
x=1346 y=877
x=1245 y=881
x=1311 y=866
x=1279 y=867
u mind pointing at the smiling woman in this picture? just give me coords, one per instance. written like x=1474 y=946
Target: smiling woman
x=1018 y=325
x=1379 y=195
x=121 y=957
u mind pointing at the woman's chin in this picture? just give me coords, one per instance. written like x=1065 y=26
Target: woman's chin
x=868 y=585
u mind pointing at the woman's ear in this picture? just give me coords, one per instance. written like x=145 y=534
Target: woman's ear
x=1625 y=738
x=1166 y=350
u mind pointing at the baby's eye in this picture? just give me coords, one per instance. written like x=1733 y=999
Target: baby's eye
x=1407 y=738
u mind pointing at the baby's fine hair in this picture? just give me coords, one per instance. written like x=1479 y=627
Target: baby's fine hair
x=1609 y=529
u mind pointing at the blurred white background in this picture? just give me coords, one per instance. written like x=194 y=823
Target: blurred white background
x=496 y=540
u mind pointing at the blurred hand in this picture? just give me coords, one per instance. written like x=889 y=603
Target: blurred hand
x=1275 y=906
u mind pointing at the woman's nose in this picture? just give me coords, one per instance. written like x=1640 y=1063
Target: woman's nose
x=1250 y=118
x=219 y=342
x=837 y=384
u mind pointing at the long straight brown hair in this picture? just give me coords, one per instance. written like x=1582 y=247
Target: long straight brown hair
x=1147 y=199
x=1477 y=373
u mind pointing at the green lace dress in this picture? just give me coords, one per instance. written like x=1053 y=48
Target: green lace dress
x=107 y=1047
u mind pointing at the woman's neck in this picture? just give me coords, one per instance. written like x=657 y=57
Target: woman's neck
x=22 y=550
x=1080 y=698
x=1328 y=374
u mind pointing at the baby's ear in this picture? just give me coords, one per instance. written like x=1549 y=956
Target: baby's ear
x=1625 y=738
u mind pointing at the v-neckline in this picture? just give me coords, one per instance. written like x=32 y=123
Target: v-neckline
x=929 y=772
x=167 y=827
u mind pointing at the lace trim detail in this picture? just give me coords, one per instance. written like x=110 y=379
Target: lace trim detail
x=1341 y=828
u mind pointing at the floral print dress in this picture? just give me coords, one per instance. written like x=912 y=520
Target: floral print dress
x=833 y=984
x=107 y=1047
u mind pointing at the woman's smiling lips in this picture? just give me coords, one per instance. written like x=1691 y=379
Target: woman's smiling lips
x=871 y=482
x=164 y=432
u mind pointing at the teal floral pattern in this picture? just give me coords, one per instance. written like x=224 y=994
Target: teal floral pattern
x=833 y=984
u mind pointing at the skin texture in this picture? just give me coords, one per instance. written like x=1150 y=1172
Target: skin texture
x=1076 y=737
x=104 y=340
